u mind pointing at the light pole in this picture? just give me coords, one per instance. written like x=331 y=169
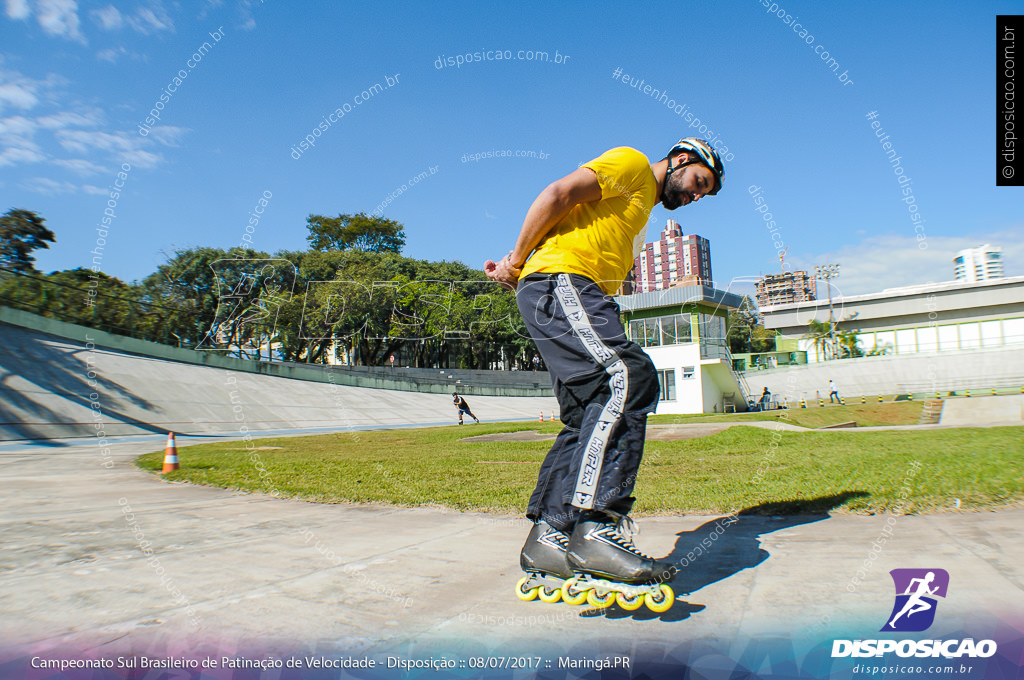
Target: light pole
x=826 y=273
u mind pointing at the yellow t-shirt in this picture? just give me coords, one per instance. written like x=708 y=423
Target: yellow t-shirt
x=601 y=239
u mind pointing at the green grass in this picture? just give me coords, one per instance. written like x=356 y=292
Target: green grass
x=865 y=415
x=734 y=470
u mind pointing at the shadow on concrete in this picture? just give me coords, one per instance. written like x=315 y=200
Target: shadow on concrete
x=725 y=546
x=59 y=375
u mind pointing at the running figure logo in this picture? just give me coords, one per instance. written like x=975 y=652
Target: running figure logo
x=914 y=610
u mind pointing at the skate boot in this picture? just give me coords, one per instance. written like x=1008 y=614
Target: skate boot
x=543 y=560
x=609 y=568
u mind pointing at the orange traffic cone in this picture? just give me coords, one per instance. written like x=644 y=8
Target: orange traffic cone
x=552 y=416
x=170 y=455
x=541 y=417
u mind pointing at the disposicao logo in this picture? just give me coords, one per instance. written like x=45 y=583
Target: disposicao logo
x=913 y=612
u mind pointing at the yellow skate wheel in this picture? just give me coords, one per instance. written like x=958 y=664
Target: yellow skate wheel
x=596 y=600
x=570 y=594
x=526 y=594
x=628 y=603
x=662 y=602
x=550 y=596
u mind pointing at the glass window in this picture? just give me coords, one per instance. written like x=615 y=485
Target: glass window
x=927 y=339
x=687 y=372
x=948 y=338
x=644 y=332
x=1013 y=330
x=970 y=336
x=667 y=380
x=636 y=333
x=675 y=329
x=991 y=334
x=683 y=330
x=711 y=327
x=905 y=341
x=886 y=340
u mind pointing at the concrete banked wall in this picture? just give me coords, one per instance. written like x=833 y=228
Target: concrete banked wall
x=63 y=382
x=976 y=370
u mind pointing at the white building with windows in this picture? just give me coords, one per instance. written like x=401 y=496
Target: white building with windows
x=683 y=330
x=951 y=316
x=978 y=264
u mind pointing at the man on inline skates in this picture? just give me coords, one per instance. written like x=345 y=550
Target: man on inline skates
x=577 y=243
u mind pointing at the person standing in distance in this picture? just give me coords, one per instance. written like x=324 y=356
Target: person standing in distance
x=577 y=244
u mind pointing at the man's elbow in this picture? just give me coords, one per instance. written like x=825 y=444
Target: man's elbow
x=561 y=195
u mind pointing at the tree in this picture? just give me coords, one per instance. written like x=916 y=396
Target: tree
x=355 y=232
x=227 y=300
x=849 y=345
x=21 y=232
x=819 y=331
x=746 y=332
x=847 y=341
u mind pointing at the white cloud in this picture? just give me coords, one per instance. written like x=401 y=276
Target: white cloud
x=51 y=187
x=45 y=185
x=891 y=260
x=65 y=119
x=147 y=20
x=247 y=21
x=125 y=146
x=83 y=146
x=59 y=18
x=109 y=17
x=19 y=93
x=81 y=167
x=111 y=54
x=25 y=154
x=26 y=93
x=80 y=141
x=16 y=135
x=15 y=129
x=18 y=9
x=168 y=135
x=209 y=5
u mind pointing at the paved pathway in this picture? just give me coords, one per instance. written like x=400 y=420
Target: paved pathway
x=234 y=571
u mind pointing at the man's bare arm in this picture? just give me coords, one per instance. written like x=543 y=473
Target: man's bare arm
x=548 y=209
x=553 y=204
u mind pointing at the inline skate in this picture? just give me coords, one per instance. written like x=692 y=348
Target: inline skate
x=609 y=568
x=543 y=560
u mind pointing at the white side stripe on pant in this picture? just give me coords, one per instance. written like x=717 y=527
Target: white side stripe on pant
x=618 y=381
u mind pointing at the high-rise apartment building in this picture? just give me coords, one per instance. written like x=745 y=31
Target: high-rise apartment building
x=676 y=259
x=978 y=264
x=780 y=289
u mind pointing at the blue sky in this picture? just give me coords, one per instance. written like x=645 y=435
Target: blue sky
x=77 y=79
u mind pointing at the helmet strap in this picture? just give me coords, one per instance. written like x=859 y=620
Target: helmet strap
x=670 y=170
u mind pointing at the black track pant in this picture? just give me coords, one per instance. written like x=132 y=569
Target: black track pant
x=606 y=386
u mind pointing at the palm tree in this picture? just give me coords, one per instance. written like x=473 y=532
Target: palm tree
x=819 y=331
x=848 y=344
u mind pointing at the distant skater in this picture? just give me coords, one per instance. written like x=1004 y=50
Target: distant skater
x=463 y=407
